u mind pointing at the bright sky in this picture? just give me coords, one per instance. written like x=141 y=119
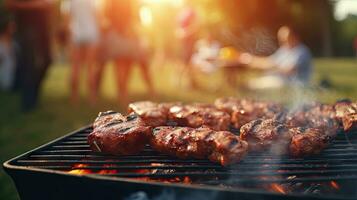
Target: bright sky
x=345 y=7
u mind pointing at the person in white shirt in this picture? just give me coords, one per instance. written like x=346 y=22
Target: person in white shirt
x=206 y=54
x=289 y=65
x=84 y=32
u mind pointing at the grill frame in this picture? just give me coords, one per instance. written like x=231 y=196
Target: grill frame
x=102 y=184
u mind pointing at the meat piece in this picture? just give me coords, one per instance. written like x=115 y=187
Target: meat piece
x=243 y=111
x=116 y=134
x=266 y=134
x=346 y=112
x=104 y=117
x=228 y=104
x=316 y=109
x=344 y=107
x=308 y=141
x=314 y=115
x=198 y=115
x=218 y=146
x=271 y=135
x=151 y=113
x=350 y=122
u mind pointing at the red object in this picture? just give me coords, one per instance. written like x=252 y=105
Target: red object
x=186 y=17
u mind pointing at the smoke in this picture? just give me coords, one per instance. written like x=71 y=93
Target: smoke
x=300 y=95
x=258 y=40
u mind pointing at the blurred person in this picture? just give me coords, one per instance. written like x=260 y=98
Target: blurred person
x=206 y=54
x=355 y=45
x=84 y=32
x=227 y=62
x=187 y=33
x=32 y=19
x=289 y=65
x=7 y=53
x=121 y=43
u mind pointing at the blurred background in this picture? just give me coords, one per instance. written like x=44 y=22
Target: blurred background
x=63 y=61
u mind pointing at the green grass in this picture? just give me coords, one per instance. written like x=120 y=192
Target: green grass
x=55 y=116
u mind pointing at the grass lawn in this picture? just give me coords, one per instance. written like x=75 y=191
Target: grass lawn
x=21 y=132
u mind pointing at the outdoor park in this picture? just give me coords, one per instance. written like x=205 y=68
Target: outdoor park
x=333 y=76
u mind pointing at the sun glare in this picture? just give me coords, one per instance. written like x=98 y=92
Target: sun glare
x=145 y=16
x=173 y=2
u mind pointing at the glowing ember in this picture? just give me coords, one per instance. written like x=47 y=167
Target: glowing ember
x=142 y=171
x=187 y=180
x=277 y=188
x=107 y=171
x=335 y=185
x=79 y=171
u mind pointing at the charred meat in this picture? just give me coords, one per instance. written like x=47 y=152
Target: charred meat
x=218 y=146
x=346 y=112
x=266 y=134
x=244 y=110
x=116 y=134
x=279 y=139
x=197 y=115
x=228 y=104
x=349 y=122
x=153 y=114
x=308 y=141
x=314 y=115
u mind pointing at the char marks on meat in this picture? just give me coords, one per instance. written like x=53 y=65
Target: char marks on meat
x=197 y=115
x=200 y=130
x=266 y=134
x=116 y=134
x=218 y=146
x=153 y=114
x=243 y=111
x=346 y=112
x=279 y=139
x=314 y=115
x=308 y=141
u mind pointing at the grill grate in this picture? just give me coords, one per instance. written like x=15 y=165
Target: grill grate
x=337 y=163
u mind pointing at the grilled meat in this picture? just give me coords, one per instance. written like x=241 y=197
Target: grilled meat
x=301 y=119
x=349 y=122
x=266 y=134
x=218 y=146
x=345 y=107
x=308 y=141
x=105 y=117
x=197 y=115
x=116 y=134
x=244 y=111
x=313 y=115
x=346 y=112
x=151 y=113
x=263 y=125
x=228 y=104
x=279 y=139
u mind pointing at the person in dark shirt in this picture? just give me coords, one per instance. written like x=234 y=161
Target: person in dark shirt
x=355 y=45
x=32 y=20
x=7 y=52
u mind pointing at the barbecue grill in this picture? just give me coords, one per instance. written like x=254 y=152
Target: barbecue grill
x=67 y=169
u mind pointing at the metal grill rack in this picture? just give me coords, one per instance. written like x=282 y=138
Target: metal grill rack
x=337 y=163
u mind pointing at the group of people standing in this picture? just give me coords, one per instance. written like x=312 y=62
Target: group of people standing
x=105 y=33
x=97 y=34
x=107 y=30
